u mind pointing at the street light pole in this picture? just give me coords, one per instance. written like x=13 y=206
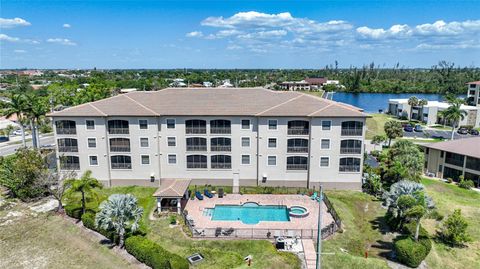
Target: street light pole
x=319 y=230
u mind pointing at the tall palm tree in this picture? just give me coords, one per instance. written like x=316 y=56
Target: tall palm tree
x=17 y=106
x=421 y=104
x=454 y=113
x=84 y=185
x=8 y=130
x=37 y=109
x=412 y=101
x=118 y=213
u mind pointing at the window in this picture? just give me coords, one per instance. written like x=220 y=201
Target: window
x=324 y=161
x=196 y=144
x=195 y=127
x=452 y=173
x=298 y=127
x=92 y=142
x=245 y=141
x=349 y=165
x=245 y=159
x=196 y=161
x=297 y=145
x=171 y=141
x=352 y=128
x=454 y=159
x=441 y=154
x=118 y=127
x=350 y=146
x=69 y=163
x=143 y=124
x=272 y=142
x=145 y=159
x=245 y=124
x=221 y=162
x=93 y=160
x=473 y=163
x=220 y=127
x=221 y=144
x=121 y=162
x=90 y=124
x=67 y=145
x=172 y=159
x=272 y=124
x=65 y=127
x=119 y=144
x=326 y=125
x=170 y=123
x=297 y=163
x=427 y=150
x=272 y=160
x=144 y=142
x=325 y=144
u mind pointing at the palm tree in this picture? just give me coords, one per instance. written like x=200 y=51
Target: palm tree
x=84 y=185
x=421 y=104
x=393 y=129
x=118 y=213
x=454 y=113
x=8 y=130
x=412 y=101
x=17 y=106
x=36 y=110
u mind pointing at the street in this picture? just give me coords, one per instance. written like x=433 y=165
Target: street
x=432 y=133
x=6 y=149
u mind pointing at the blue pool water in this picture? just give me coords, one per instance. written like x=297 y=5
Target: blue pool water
x=250 y=213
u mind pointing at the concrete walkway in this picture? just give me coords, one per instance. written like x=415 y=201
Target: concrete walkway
x=310 y=254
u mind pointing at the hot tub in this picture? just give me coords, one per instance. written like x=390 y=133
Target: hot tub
x=298 y=211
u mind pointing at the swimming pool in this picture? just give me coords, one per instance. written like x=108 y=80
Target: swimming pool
x=250 y=213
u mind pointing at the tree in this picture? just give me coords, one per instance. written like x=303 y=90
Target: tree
x=454 y=113
x=17 y=106
x=393 y=129
x=412 y=101
x=57 y=184
x=36 y=109
x=409 y=156
x=373 y=184
x=8 y=130
x=118 y=213
x=454 y=229
x=379 y=139
x=416 y=209
x=84 y=185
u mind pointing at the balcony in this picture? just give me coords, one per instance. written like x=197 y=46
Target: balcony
x=221 y=148
x=196 y=165
x=118 y=131
x=67 y=148
x=349 y=168
x=195 y=130
x=67 y=131
x=121 y=166
x=298 y=131
x=352 y=132
x=196 y=148
x=220 y=130
x=350 y=150
x=120 y=148
x=221 y=165
x=297 y=166
x=297 y=149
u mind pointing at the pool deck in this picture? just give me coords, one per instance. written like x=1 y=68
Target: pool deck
x=302 y=226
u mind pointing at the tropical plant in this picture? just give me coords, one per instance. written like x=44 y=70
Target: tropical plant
x=8 y=130
x=373 y=184
x=454 y=229
x=393 y=129
x=409 y=156
x=118 y=213
x=57 y=186
x=379 y=139
x=454 y=114
x=412 y=101
x=414 y=209
x=84 y=185
x=36 y=109
x=17 y=106
x=465 y=183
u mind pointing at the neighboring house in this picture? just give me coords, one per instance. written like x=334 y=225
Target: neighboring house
x=454 y=158
x=473 y=94
x=247 y=136
x=308 y=84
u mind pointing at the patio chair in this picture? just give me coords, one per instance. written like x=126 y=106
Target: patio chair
x=314 y=196
x=220 y=193
x=197 y=232
x=228 y=232
x=198 y=195
x=208 y=193
x=218 y=231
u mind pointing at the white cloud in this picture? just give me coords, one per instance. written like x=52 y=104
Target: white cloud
x=66 y=25
x=264 y=34
x=19 y=51
x=452 y=28
x=250 y=19
x=62 y=41
x=194 y=34
x=4 y=37
x=380 y=33
x=11 y=23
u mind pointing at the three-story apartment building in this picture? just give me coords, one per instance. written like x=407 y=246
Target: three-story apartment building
x=247 y=136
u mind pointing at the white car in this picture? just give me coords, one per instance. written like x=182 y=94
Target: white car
x=19 y=132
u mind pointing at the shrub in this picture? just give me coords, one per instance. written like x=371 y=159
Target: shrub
x=153 y=254
x=449 y=180
x=454 y=229
x=423 y=236
x=172 y=219
x=465 y=184
x=409 y=252
x=74 y=211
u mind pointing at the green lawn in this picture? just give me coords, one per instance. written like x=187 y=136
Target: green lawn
x=448 y=197
x=375 y=125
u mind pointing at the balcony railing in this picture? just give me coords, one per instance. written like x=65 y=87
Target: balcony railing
x=121 y=166
x=118 y=130
x=221 y=165
x=352 y=132
x=349 y=168
x=221 y=148
x=220 y=130
x=119 y=148
x=297 y=166
x=196 y=148
x=350 y=150
x=196 y=165
x=196 y=130
x=70 y=166
x=66 y=131
x=67 y=148
x=297 y=149
x=298 y=131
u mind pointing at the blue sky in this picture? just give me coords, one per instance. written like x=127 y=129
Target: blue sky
x=237 y=34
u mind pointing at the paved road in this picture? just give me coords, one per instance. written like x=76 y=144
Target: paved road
x=435 y=133
x=10 y=149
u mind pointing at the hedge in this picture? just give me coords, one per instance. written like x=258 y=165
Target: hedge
x=409 y=252
x=153 y=254
x=423 y=236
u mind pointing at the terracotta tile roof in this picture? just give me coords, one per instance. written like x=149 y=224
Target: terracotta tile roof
x=316 y=80
x=172 y=188
x=464 y=146
x=474 y=82
x=213 y=102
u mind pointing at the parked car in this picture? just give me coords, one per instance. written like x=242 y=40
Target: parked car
x=18 y=132
x=418 y=128
x=462 y=131
x=473 y=132
x=3 y=139
x=408 y=128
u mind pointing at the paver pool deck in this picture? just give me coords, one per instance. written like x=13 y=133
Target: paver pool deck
x=308 y=224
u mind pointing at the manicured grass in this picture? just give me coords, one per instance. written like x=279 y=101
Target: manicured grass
x=318 y=93
x=448 y=197
x=375 y=124
x=362 y=218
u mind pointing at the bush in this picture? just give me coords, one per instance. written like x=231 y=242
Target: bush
x=466 y=184
x=153 y=254
x=423 y=236
x=409 y=252
x=74 y=211
x=172 y=219
x=454 y=229
x=449 y=180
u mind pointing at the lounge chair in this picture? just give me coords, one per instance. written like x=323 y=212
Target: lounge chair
x=228 y=232
x=218 y=231
x=208 y=193
x=314 y=196
x=197 y=232
x=198 y=195
x=220 y=193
